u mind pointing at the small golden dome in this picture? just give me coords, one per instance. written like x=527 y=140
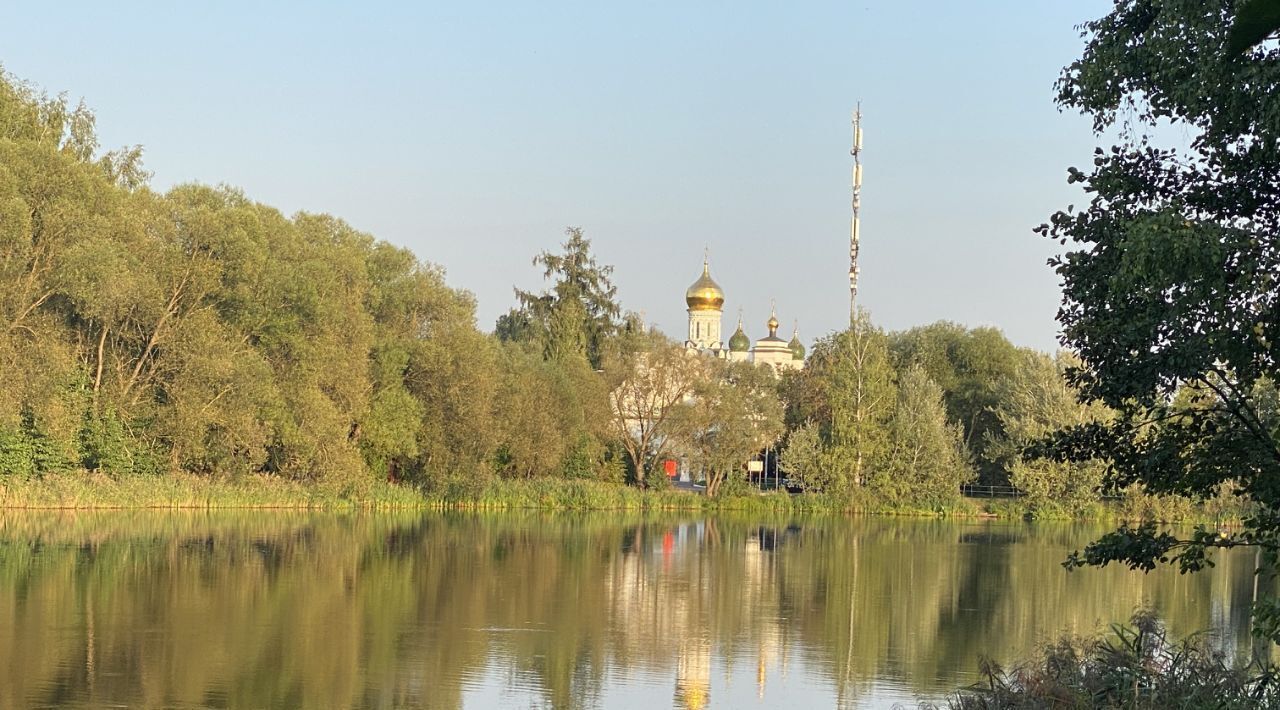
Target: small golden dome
x=705 y=294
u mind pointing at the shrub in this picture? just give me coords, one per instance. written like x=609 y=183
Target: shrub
x=1135 y=666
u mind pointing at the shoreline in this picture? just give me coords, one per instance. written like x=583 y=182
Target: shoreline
x=69 y=492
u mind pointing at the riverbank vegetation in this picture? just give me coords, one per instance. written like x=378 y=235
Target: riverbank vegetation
x=1132 y=666
x=197 y=347
x=98 y=491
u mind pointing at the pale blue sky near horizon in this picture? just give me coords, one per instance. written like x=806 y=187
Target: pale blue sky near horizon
x=474 y=133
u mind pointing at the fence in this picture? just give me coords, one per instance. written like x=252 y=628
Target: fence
x=974 y=490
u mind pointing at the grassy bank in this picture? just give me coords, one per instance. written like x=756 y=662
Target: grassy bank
x=88 y=492
x=85 y=491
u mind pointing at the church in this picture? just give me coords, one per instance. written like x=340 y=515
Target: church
x=705 y=300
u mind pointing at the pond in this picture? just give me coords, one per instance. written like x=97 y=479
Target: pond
x=447 y=610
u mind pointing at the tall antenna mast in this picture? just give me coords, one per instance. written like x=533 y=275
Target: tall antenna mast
x=854 y=225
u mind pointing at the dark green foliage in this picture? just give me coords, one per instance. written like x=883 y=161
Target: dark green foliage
x=50 y=453
x=1257 y=20
x=1170 y=292
x=578 y=315
x=586 y=459
x=105 y=446
x=33 y=448
x=17 y=452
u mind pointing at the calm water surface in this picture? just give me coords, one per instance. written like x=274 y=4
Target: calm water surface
x=278 y=609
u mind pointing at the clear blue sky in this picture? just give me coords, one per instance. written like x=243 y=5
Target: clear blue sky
x=473 y=133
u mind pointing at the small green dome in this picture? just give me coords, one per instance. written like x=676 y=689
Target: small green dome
x=797 y=348
x=739 y=342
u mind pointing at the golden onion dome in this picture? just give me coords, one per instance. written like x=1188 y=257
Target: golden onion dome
x=773 y=325
x=705 y=294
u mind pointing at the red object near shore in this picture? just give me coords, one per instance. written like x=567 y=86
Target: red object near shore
x=670 y=467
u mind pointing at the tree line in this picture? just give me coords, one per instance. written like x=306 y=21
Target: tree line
x=197 y=331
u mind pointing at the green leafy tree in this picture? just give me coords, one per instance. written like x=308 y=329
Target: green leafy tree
x=853 y=395
x=732 y=414
x=407 y=300
x=549 y=412
x=199 y=331
x=59 y=215
x=433 y=377
x=1035 y=402
x=970 y=365
x=802 y=458
x=926 y=461
x=452 y=372
x=31 y=117
x=1171 y=278
x=51 y=201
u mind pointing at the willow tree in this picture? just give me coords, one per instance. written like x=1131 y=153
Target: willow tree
x=72 y=240
x=200 y=331
x=926 y=461
x=970 y=366
x=552 y=416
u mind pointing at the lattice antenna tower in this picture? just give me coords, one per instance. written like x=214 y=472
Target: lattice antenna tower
x=855 y=224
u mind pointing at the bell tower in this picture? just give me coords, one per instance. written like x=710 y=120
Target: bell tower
x=705 y=300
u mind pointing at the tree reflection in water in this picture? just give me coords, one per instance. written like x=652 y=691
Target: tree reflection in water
x=438 y=610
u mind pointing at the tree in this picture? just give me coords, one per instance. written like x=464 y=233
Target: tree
x=580 y=312
x=200 y=331
x=802 y=457
x=432 y=375
x=732 y=414
x=548 y=412
x=648 y=378
x=853 y=394
x=1171 y=281
x=969 y=365
x=1033 y=403
x=926 y=460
